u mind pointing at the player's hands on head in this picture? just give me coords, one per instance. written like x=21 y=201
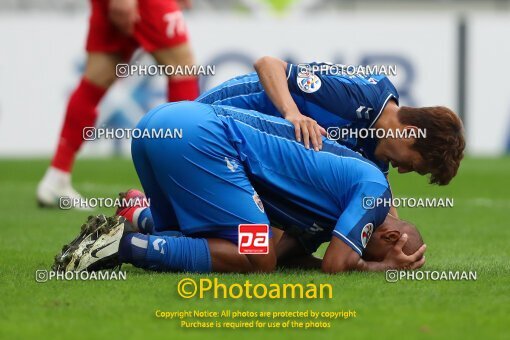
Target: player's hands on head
x=307 y=130
x=124 y=15
x=397 y=259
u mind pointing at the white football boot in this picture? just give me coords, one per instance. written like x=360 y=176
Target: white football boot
x=95 y=248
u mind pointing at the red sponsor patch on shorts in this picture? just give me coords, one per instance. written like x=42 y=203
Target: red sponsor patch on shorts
x=253 y=239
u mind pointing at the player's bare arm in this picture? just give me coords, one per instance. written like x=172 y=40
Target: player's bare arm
x=273 y=77
x=341 y=258
x=396 y=244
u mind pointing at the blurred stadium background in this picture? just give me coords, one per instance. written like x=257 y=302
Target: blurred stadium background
x=449 y=53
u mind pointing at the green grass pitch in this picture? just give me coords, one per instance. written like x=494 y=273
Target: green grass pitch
x=474 y=235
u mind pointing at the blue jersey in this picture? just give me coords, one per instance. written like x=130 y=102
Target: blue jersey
x=312 y=195
x=231 y=166
x=333 y=99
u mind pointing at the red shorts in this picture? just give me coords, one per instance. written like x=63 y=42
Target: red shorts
x=161 y=25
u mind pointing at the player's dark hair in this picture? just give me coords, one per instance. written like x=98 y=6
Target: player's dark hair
x=443 y=147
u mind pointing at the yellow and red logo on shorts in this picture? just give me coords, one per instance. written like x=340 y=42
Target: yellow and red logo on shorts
x=253 y=239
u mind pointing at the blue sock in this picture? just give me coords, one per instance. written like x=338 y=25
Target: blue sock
x=144 y=222
x=133 y=249
x=178 y=254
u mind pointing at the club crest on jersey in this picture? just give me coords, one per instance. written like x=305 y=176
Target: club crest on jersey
x=308 y=83
x=366 y=232
x=258 y=201
x=231 y=164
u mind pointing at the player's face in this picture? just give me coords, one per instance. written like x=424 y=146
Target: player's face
x=400 y=154
x=406 y=160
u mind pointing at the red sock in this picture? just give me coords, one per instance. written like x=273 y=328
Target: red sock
x=81 y=112
x=182 y=88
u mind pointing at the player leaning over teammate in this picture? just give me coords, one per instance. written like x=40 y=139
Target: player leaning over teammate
x=220 y=174
x=116 y=29
x=315 y=101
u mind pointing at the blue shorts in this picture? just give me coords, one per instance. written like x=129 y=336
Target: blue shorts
x=197 y=183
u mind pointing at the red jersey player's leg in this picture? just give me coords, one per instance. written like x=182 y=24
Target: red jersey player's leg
x=106 y=47
x=162 y=32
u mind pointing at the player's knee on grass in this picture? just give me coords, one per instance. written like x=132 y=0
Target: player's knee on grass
x=263 y=263
x=387 y=234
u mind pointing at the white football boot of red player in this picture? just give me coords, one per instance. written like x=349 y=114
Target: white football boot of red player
x=55 y=191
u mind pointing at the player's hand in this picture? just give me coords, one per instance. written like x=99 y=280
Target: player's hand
x=396 y=259
x=124 y=15
x=307 y=130
x=185 y=4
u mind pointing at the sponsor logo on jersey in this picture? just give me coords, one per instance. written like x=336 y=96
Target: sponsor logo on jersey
x=366 y=233
x=309 y=83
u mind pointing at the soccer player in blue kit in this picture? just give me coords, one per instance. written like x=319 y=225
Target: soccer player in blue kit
x=235 y=166
x=319 y=96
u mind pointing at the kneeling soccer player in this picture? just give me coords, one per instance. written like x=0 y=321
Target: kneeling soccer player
x=204 y=185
